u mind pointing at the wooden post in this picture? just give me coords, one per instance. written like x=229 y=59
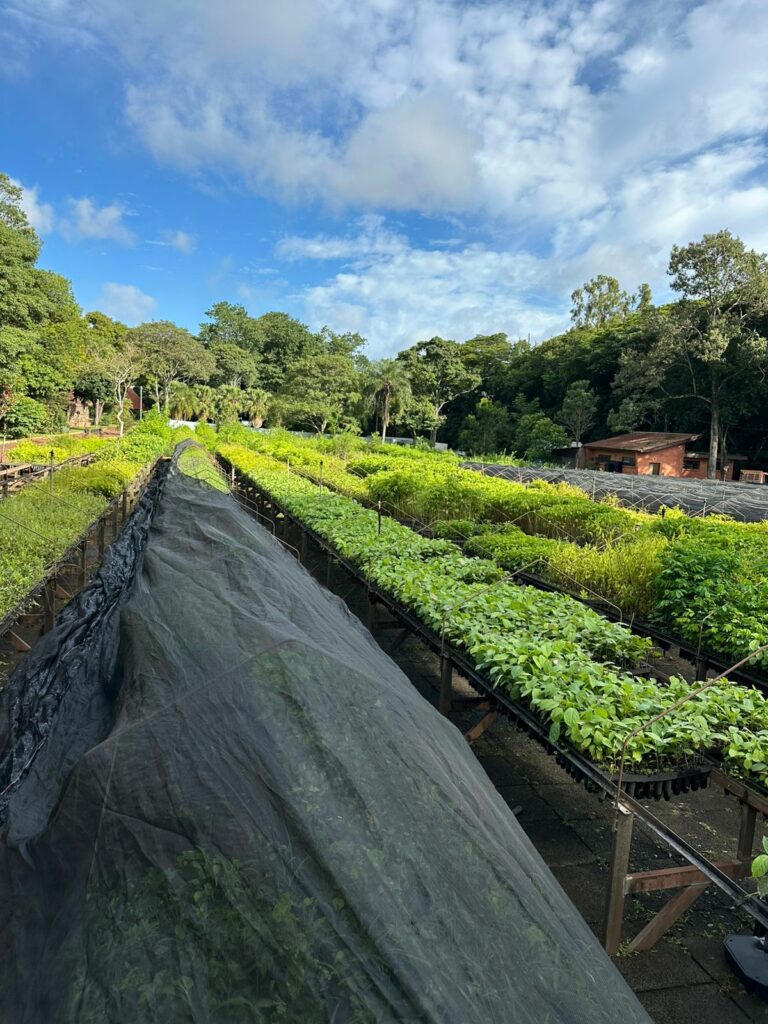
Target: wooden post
x=617 y=878
x=446 y=685
x=5 y=487
x=82 y=573
x=125 y=505
x=303 y=547
x=115 y=513
x=49 y=604
x=746 y=833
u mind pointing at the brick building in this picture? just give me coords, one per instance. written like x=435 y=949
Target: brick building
x=654 y=453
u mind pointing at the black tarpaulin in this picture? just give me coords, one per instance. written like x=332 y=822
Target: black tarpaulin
x=258 y=819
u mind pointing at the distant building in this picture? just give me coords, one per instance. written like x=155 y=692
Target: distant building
x=753 y=476
x=653 y=453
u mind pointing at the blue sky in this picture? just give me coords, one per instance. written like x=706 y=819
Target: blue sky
x=398 y=167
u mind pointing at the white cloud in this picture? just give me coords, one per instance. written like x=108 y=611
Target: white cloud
x=126 y=302
x=532 y=112
x=40 y=215
x=180 y=240
x=372 y=237
x=576 y=137
x=396 y=299
x=87 y=220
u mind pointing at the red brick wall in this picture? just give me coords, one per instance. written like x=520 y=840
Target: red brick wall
x=670 y=460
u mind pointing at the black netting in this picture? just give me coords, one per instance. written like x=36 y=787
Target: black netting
x=226 y=804
x=745 y=502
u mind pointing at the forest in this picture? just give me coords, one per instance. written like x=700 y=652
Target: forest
x=697 y=364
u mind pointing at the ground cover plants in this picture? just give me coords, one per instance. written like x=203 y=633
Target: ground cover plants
x=38 y=525
x=561 y=658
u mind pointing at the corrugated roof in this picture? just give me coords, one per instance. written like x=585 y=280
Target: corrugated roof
x=643 y=441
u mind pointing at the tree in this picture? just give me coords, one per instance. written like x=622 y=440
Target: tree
x=183 y=402
x=318 y=391
x=122 y=367
x=255 y=403
x=93 y=386
x=486 y=430
x=709 y=343
x=282 y=342
x=206 y=402
x=602 y=300
x=170 y=354
x=28 y=296
x=536 y=436
x=579 y=411
x=386 y=390
x=417 y=417
x=439 y=374
x=232 y=325
x=227 y=402
x=234 y=365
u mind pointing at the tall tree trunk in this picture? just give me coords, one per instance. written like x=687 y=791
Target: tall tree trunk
x=385 y=417
x=98 y=411
x=120 y=400
x=714 y=436
x=433 y=431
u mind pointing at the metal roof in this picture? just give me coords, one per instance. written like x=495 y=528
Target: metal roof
x=643 y=441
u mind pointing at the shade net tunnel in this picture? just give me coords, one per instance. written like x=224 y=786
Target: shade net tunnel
x=223 y=802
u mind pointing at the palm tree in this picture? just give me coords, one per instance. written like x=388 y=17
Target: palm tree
x=228 y=402
x=387 y=390
x=184 y=403
x=206 y=401
x=254 y=405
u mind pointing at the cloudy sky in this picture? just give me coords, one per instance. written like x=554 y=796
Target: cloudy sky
x=402 y=168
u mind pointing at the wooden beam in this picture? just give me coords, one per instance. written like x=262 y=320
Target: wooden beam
x=678 y=878
x=17 y=643
x=473 y=734
x=669 y=914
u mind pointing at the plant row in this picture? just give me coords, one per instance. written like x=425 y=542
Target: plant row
x=63 y=447
x=38 y=525
x=703 y=578
x=565 y=661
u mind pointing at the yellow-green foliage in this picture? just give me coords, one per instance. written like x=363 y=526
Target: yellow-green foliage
x=62 y=445
x=622 y=573
x=197 y=463
x=37 y=527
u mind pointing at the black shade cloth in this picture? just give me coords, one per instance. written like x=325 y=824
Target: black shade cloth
x=747 y=503
x=240 y=810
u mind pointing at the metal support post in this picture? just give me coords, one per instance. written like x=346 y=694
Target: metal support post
x=446 y=685
x=328 y=569
x=102 y=536
x=617 y=878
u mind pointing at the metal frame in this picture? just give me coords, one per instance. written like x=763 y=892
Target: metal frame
x=688 y=882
